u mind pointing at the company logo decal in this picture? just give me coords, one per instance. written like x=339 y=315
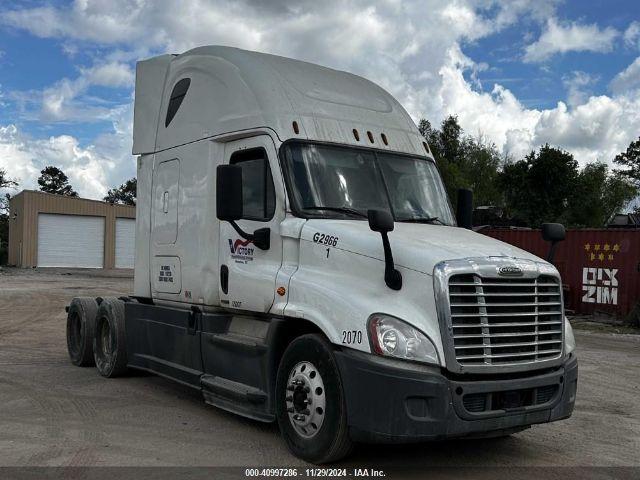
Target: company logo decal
x=510 y=270
x=241 y=251
x=601 y=252
x=600 y=285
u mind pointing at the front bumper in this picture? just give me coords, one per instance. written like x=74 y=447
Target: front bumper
x=391 y=400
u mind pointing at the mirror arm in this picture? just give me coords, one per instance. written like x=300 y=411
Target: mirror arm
x=261 y=238
x=552 y=252
x=392 y=277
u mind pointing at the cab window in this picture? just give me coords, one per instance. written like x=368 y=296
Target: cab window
x=258 y=191
x=175 y=100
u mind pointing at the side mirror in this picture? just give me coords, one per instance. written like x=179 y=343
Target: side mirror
x=229 y=192
x=554 y=233
x=229 y=204
x=381 y=221
x=464 y=209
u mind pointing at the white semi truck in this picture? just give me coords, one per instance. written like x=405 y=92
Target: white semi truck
x=297 y=260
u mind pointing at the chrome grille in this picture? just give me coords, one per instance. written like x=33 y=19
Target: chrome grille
x=500 y=321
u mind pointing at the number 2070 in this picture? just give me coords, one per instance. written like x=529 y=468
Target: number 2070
x=350 y=337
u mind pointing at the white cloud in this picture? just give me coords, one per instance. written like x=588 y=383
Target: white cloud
x=70 y=49
x=111 y=74
x=92 y=170
x=628 y=79
x=592 y=126
x=413 y=48
x=497 y=115
x=597 y=129
x=102 y=22
x=23 y=158
x=569 y=37
x=577 y=85
x=632 y=35
x=59 y=102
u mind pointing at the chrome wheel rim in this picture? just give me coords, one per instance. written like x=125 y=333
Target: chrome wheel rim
x=305 y=399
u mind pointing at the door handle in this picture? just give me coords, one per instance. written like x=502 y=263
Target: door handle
x=224 y=279
x=165 y=202
x=194 y=315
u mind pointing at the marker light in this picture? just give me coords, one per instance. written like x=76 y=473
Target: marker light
x=569 y=339
x=392 y=337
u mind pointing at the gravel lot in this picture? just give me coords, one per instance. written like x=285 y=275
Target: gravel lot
x=55 y=414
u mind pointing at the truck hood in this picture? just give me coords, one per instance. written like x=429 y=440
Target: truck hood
x=418 y=247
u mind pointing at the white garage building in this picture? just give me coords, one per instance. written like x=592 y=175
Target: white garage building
x=48 y=230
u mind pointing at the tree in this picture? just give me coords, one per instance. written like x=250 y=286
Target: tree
x=53 y=180
x=598 y=195
x=512 y=182
x=424 y=127
x=539 y=187
x=545 y=186
x=432 y=137
x=5 y=182
x=124 y=194
x=618 y=192
x=479 y=170
x=451 y=140
x=631 y=160
x=463 y=161
x=4 y=228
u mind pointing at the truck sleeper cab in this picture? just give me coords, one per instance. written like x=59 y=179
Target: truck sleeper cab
x=297 y=261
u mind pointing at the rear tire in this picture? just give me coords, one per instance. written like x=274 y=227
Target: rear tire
x=81 y=326
x=310 y=405
x=109 y=341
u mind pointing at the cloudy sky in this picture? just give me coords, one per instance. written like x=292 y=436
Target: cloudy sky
x=519 y=72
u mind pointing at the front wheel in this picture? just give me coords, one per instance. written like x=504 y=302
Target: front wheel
x=310 y=403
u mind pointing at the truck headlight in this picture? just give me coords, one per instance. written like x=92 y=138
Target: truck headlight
x=392 y=337
x=569 y=339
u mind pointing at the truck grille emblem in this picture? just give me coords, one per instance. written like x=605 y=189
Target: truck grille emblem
x=510 y=270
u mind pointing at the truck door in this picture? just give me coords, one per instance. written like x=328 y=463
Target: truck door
x=169 y=338
x=248 y=274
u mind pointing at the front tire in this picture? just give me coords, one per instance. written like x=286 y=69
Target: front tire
x=310 y=404
x=109 y=341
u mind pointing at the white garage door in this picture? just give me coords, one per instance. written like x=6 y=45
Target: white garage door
x=70 y=241
x=125 y=242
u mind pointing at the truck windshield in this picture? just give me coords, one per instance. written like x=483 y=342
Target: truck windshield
x=343 y=182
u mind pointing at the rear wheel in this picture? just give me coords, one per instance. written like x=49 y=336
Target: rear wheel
x=109 y=342
x=81 y=321
x=310 y=404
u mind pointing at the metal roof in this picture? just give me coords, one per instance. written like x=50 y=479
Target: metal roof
x=625 y=220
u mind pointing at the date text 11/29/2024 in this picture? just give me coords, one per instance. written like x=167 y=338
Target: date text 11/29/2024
x=314 y=472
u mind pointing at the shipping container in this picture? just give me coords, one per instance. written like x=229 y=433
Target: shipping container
x=600 y=268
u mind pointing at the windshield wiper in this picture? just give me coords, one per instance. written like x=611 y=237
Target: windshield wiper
x=422 y=220
x=350 y=211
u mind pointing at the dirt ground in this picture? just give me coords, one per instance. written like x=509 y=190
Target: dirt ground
x=55 y=414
